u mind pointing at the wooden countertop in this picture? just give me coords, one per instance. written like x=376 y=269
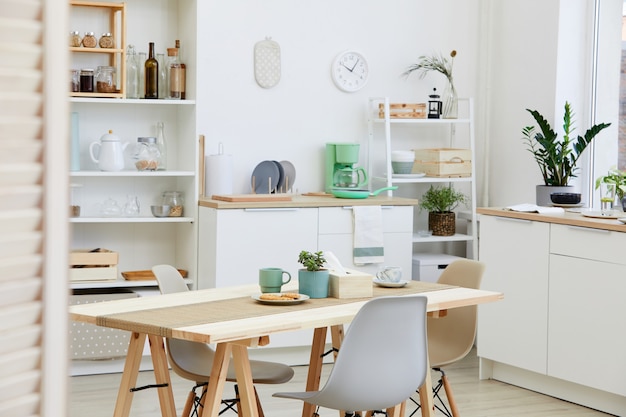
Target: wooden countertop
x=301 y=201
x=567 y=218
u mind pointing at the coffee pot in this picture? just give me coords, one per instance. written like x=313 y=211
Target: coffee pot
x=111 y=154
x=349 y=177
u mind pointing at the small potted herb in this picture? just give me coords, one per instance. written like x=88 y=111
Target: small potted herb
x=440 y=203
x=313 y=278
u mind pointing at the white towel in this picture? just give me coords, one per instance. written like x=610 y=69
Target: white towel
x=368 y=235
x=533 y=208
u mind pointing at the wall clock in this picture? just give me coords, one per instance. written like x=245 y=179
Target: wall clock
x=350 y=71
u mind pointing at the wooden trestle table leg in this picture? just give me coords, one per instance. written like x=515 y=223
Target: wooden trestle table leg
x=426 y=394
x=315 y=367
x=218 y=380
x=162 y=375
x=129 y=376
x=247 y=400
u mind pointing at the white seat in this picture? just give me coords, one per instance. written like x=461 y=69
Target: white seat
x=193 y=361
x=381 y=361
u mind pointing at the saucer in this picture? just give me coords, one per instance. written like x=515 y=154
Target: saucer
x=388 y=284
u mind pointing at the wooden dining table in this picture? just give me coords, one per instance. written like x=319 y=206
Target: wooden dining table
x=234 y=320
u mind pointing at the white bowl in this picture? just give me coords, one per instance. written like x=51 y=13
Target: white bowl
x=402 y=156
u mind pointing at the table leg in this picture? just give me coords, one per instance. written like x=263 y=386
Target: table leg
x=315 y=367
x=218 y=379
x=129 y=377
x=247 y=401
x=162 y=375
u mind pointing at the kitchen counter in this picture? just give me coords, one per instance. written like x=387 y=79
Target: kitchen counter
x=304 y=201
x=566 y=218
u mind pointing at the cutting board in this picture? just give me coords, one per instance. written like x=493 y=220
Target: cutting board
x=251 y=197
x=145 y=275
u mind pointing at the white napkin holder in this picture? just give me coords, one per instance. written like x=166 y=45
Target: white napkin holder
x=352 y=284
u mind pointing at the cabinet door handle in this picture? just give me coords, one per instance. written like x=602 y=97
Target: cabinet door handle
x=273 y=209
x=509 y=219
x=588 y=229
x=382 y=207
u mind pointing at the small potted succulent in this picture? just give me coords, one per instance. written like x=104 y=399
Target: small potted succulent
x=313 y=278
x=440 y=203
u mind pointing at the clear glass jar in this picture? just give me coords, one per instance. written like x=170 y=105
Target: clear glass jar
x=106 y=41
x=175 y=200
x=105 y=79
x=147 y=154
x=89 y=40
x=75 y=39
x=74 y=81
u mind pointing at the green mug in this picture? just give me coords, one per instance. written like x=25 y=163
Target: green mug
x=271 y=279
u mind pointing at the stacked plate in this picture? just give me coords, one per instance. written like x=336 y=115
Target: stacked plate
x=273 y=177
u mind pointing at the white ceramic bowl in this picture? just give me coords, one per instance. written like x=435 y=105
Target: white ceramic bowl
x=402 y=156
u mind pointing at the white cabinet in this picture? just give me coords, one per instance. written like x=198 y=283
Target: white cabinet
x=235 y=243
x=558 y=329
x=586 y=308
x=387 y=134
x=514 y=330
x=143 y=240
x=336 y=235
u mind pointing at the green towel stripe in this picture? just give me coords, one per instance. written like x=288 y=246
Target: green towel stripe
x=362 y=252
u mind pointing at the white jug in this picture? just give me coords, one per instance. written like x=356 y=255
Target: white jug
x=111 y=155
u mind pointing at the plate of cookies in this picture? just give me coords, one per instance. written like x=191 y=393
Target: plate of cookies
x=280 y=298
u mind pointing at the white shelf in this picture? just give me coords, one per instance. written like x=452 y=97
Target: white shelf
x=120 y=283
x=134 y=101
x=101 y=174
x=131 y=220
x=457 y=237
x=424 y=180
x=423 y=121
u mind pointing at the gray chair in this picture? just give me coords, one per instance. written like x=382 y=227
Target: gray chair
x=193 y=361
x=451 y=338
x=382 y=360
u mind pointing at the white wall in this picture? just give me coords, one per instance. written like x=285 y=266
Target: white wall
x=305 y=110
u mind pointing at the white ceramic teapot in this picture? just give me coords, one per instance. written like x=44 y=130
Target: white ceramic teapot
x=111 y=155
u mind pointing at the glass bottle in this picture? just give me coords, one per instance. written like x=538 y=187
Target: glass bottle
x=183 y=71
x=141 y=59
x=175 y=74
x=163 y=85
x=151 y=74
x=132 y=73
x=162 y=145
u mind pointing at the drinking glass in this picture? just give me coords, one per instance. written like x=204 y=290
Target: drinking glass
x=607 y=198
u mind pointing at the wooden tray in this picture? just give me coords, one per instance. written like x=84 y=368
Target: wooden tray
x=251 y=197
x=146 y=275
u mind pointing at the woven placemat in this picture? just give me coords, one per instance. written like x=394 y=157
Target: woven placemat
x=161 y=321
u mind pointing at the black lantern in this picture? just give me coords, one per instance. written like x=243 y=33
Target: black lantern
x=434 y=105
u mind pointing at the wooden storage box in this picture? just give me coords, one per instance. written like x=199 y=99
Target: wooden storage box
x=88 y=265
x=443 y=162
x=403 y=110
x=443 y=155
x=353 y=284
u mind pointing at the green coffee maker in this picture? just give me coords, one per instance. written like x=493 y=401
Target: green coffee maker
x=341 y=169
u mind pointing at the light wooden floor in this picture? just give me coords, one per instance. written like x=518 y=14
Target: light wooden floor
x=94 y=396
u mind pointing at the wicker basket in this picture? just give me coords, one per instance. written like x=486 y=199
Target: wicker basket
x=442 y=224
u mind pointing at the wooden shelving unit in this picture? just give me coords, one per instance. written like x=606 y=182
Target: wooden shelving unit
x=115 y=57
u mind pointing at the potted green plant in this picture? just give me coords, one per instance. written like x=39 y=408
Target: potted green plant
x=440 y=203
x=618 y=179
x=556 y=157
x=313 y=278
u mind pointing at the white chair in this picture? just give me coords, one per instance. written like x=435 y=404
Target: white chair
x=381 y=361
x=450 y=338
x=193 y=361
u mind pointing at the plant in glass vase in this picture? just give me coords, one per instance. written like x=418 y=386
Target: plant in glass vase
x=617 y=179
x=443 y=65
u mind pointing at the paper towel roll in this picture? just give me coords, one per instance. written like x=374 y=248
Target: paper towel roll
x=218 y=176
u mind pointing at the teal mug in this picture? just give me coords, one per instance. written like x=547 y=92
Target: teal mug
x=271 y=279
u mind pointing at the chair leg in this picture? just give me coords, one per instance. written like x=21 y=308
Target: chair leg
x=191 y=397
x=446 y=386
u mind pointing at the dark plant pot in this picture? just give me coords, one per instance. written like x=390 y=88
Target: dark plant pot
x=313 y=283
x=442 y=224
x=624 y=204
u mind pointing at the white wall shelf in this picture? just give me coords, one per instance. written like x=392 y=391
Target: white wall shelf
x=160 y=102
x=132 y=174
x=131 y=220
